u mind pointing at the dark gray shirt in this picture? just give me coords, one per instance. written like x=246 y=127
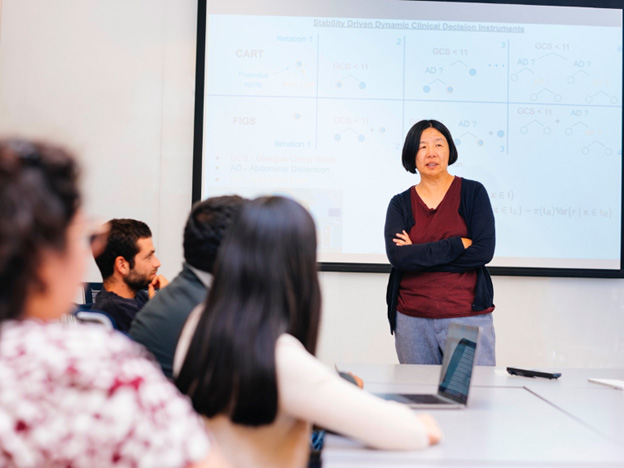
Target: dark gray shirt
x=158 y=325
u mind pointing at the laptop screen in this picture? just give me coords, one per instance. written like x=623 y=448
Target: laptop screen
x=458 y=362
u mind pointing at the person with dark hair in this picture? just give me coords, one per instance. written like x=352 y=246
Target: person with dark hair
x=157 y=326
x=246 y=359
x=73 y=395
x=439 y=236
x=129 y=269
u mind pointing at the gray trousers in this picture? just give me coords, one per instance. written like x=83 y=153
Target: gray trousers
x=422 y=340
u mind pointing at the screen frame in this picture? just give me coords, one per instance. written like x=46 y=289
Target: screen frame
x=381 y=267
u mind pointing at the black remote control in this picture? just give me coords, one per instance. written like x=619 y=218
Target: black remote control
x=533 y=373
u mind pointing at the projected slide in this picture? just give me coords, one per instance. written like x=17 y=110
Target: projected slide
x=317 y=108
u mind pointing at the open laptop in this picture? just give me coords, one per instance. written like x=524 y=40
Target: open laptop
x=460 y=354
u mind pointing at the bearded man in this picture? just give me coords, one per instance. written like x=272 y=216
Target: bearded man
x=129 y=268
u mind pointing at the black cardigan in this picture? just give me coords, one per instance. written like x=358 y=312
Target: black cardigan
x=446 y=255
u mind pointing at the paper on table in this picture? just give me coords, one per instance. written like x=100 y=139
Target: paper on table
x=613 y=383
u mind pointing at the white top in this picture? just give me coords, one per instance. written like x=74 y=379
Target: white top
x=309 y=392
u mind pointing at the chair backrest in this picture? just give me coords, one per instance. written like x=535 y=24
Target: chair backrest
x=84 y=313
x=91 y=290
x=87 y=292
x=92 y=316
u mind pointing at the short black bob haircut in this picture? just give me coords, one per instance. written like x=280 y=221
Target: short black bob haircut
x=412 y=143
x=265 y=284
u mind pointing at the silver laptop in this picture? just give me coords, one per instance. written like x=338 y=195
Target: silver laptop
x=460 y=354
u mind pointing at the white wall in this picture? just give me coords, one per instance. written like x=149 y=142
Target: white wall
x=540 y=322
x=114 y=81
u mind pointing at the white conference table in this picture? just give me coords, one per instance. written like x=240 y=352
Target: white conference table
x=510 y=421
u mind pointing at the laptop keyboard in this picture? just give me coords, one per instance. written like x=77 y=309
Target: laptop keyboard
x=424 y=399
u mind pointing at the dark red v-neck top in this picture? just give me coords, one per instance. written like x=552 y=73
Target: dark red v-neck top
x=437 y=294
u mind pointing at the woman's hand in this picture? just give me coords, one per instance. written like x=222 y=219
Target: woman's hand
x=433 y=430
x=402 y=238
x=467 y=242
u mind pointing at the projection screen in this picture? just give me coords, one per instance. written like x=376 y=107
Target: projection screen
x=313 y=100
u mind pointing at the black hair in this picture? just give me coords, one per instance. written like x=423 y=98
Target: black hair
x=265 y=284
x=122 y=241
x=39 y=197
x=205 y=228
x=412 y=143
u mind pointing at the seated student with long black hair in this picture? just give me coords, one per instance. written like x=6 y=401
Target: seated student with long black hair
x=246 y=357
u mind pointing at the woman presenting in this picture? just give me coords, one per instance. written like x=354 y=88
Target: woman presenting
x=439 y=235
